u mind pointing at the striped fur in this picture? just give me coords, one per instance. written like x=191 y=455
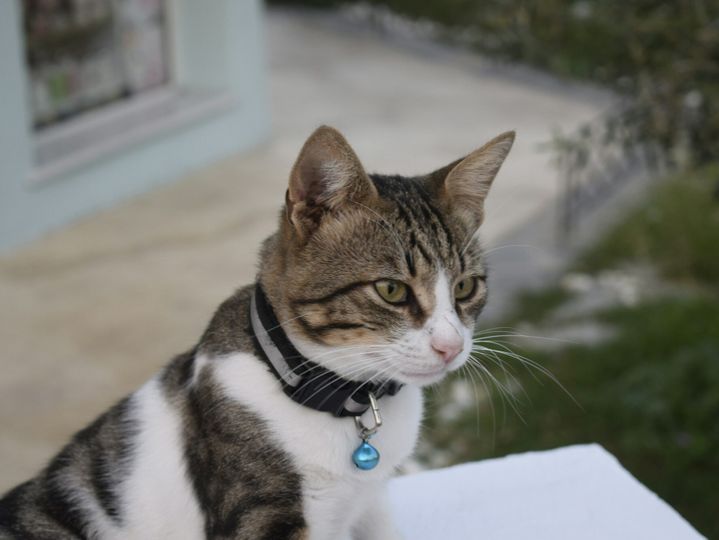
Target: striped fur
x=211 y=447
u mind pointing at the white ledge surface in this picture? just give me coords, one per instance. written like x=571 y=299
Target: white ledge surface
x=577 y=493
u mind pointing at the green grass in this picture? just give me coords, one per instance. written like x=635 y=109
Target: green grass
x=676 y=230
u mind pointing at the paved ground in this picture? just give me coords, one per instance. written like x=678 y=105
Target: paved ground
x=89 y=312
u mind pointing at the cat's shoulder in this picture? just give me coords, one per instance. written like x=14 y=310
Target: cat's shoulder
x=229 y=330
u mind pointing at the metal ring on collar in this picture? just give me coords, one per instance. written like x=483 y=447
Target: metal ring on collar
x=364 y=431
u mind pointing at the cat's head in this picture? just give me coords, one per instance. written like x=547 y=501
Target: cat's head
x=377 y=276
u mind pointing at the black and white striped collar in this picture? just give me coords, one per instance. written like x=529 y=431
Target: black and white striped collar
x=304 y=381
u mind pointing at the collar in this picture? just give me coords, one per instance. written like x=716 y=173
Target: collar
x=304 y=381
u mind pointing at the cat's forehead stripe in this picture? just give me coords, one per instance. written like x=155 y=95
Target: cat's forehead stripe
x=426 y=226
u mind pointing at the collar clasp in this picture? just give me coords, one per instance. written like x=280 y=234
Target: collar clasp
x=364 y=431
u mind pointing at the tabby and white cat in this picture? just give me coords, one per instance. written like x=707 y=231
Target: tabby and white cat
x=257 y=433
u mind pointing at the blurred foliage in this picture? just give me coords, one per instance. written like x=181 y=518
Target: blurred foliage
x=676 y=230
x=662 y=57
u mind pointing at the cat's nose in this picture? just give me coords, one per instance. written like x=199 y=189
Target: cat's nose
x=447 y=349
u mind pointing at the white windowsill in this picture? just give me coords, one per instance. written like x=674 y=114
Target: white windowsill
x=95 y=135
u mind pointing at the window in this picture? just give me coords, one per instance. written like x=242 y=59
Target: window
x=86 y=54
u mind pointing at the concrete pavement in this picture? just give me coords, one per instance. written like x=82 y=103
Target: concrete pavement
x=91 y=311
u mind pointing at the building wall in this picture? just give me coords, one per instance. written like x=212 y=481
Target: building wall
x=218 y=45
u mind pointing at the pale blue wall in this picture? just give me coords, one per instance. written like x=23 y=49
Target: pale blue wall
x=227 y=51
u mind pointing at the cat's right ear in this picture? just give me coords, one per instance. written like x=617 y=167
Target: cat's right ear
x=326 y=176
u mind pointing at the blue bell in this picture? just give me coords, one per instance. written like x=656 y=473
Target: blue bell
x=366 y=456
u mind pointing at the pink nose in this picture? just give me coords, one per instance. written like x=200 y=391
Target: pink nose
x=448 y=350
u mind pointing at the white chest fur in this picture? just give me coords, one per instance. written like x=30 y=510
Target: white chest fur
x=159 y=500
x=320 y=445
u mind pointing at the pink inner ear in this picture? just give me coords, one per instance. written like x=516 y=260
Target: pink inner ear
x=312 y=181
x=309 y=186
x=298 y=193
x=299 y=190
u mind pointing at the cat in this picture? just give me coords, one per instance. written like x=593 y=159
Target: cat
x=290 y=430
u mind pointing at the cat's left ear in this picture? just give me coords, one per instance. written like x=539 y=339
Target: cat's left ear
x=327 y=175
x=464 y=184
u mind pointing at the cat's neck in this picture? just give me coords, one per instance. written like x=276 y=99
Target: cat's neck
x=273 y=266
x=308 y=383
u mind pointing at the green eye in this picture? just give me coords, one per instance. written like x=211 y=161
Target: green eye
x=394 y=292
x=464 y=289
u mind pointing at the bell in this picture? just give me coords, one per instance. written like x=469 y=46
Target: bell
x=366 y=456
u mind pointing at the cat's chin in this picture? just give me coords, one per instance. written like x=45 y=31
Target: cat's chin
x=422 y=378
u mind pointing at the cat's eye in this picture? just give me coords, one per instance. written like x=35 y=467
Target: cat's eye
x=392 y=291
x=464 y=288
